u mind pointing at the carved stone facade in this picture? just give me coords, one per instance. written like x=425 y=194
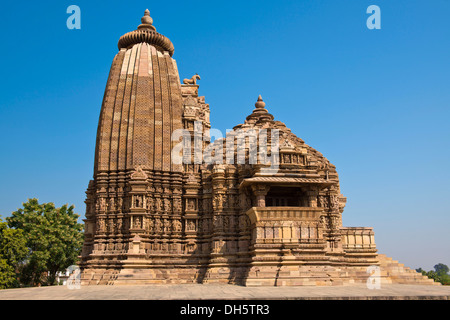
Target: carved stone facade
x=151 y=219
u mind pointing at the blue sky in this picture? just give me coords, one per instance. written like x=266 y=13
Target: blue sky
x=376 y=103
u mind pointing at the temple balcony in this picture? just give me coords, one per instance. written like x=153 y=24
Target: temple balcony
x=357 y=238
x=286 y=225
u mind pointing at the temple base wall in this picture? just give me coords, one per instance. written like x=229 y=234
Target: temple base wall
x=138 y=273
x=286 y=261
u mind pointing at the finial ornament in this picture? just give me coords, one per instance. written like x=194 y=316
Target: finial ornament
x=260 y=104
x=146 y=33
x=147 y=21
x=260 y=114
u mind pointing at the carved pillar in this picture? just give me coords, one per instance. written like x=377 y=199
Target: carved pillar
x=260 y=191
x=313 y=195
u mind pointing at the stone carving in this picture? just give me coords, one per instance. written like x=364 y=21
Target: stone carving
x=177 y=226
x=323 y=201
x=191 y=179
x=150 y=203
x=167 y=205
x=138 y=202
x=190 y=204
x=334 y=199
x=166 y=225
x=102 y=204
x=177 y=205
x=218 y=200
x=149 y=224
x=158 y=204
x=137 y=222
x=193 y=80
x=226 y=222
x=101 y=225
x=218 y=222
x=119 y=204
x=139 y=173
x=158 y=225
x=191 y=226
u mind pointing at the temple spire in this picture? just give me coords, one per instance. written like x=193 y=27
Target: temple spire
x=260 y=113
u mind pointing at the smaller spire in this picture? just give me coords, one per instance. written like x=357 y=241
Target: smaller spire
x=260 y=113
x=147 y=21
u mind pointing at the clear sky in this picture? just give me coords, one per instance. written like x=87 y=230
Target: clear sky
x=376 y=103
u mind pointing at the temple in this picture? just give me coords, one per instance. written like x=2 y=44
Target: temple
x=221 y=214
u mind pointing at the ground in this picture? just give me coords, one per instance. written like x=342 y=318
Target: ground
x=228 y=292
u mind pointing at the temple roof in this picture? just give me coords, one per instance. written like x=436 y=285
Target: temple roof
x=286 y=181
x=295 y=156
x=146 y=33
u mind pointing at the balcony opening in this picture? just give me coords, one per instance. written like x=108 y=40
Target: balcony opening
x=285 y=197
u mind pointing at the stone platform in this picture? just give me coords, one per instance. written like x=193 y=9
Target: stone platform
x=230 y=292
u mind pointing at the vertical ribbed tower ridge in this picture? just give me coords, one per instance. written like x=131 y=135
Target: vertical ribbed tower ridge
x=141 y=109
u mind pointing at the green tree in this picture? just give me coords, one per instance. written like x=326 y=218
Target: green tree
x=440 y=273
x=13 y=251
x=441 y=269
x=8 y=278
x=53 y=236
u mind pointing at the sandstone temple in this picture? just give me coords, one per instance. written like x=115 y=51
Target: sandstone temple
x=151 y=219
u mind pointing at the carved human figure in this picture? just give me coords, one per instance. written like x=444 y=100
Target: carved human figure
x=191 y=226
x=177 y=205
x=137 y=222
x=102 y=204
x=218 y=200
x=158 y=225
x=158 y=204
x=191 y=204
x=119 y=204
x=112 y=205
x=112 y=225
x=101 y=225
x=177 y=225
x=334 y=202
x=150 y=225
x=218 y=221
x=167 y=205
x=149 y=203
x=138 y=202
x=226 y=222
x=166 y=225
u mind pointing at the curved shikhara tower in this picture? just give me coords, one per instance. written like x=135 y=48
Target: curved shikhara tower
x=153 y=219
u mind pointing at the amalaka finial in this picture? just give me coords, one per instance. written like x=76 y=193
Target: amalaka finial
x=146 y=33
x=147 y=21
x=260 y=104
x=260 y=113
